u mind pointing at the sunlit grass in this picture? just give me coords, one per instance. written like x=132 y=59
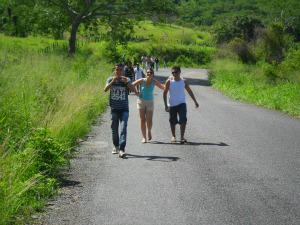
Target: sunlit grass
x=48 y=101
x=249 y=83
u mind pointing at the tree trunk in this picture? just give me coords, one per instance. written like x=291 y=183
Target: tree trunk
x=72 y=40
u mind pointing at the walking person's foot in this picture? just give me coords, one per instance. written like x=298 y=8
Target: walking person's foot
x=149 y=136
x=173 y=139
x=144 y=140
x=115 y=150
x=122 y=154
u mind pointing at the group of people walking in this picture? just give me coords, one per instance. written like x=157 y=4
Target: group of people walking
x=150 y=61
x=173 y=96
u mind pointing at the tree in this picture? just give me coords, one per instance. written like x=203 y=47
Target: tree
x=31 y=17
x=81 y=11
x=239 y=26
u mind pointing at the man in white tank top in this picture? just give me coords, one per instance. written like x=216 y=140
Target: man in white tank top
x=175 y=103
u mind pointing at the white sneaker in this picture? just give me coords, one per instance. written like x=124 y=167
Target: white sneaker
x=122 y=154
x=115 y=150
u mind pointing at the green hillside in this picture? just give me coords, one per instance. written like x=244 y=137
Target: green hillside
x=50 y=95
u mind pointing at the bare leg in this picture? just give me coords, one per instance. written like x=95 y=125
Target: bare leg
x=173 y=133
x=143 y=123
x=149 y=116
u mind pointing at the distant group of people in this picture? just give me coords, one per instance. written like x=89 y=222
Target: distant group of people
x=142 y=85
x=135 y=71
x=146 y=61
x=150 y=62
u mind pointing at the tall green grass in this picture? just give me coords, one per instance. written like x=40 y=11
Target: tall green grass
x=182 y=46
x=48 y=101
x=252 y=83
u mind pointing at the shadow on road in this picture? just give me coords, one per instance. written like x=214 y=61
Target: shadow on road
x=191 y=81
x=69 y=183
x=201 y=82
x=222 y=144
x=153 y=158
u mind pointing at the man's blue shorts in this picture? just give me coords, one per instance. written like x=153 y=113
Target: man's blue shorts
x=179 y=110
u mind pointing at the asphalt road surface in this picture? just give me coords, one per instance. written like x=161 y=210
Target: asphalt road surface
x=241 y=165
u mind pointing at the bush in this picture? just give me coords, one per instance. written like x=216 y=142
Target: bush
x=187 y=55
x=242 y=49
x=252 y=84
x=289 y=69
x=238 y=27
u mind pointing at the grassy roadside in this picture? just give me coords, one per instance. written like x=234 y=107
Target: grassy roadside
x=47 y=101
x=250 y=83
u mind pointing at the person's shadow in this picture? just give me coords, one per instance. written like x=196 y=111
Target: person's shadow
x=222 y=144
x=153 y=157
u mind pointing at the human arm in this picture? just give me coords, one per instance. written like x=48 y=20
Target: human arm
x=159 y=85
x=130 y=86
x=190 y=92
x=166 y=89
x=109 y=84
x=139 y=81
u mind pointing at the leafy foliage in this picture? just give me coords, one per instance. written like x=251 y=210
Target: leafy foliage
x=211 y=12
x=47 y=102
x=252 y=84
x=237 y=27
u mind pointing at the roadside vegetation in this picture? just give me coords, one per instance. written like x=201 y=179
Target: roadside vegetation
x=48 y=101
x=50 y=95
x=252 y=83
x=263 y=69
x=183 y=46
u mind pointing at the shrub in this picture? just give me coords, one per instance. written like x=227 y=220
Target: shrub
x=242 y=49
x=238 y=27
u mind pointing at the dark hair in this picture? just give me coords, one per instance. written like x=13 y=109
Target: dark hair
x=176 y=68
x=117 y=65
x=151 y=69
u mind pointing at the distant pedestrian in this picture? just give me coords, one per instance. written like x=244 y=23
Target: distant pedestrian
x=175 y=104
x=152 y=61
x=156 y=63
x=134 y=61
x=129 y=71
x=139 y=73
x=118 y=101
x=148 y=61
x=143 y=59
x=145 y=103
x=165 y=61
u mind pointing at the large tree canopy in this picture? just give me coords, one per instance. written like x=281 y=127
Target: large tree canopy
x=56 y=16
x=114 y=11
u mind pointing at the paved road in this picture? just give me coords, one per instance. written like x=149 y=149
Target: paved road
x=241 y=165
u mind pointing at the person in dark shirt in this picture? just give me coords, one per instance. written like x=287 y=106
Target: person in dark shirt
x=156 y=63
x=129 y=72
x=118 y=102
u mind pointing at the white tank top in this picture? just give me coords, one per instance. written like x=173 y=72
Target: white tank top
x=176 y=92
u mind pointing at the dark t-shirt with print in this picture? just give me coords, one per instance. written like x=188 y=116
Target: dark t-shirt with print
x=118 y=96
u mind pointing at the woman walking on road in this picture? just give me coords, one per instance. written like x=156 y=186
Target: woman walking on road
x=176 y=102
x=145 y=103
